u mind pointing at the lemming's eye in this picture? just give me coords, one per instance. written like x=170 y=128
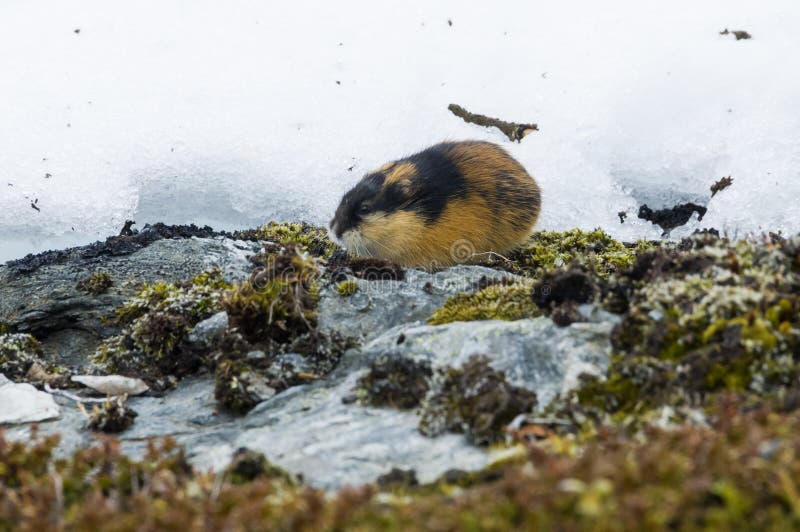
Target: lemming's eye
x=363 y=208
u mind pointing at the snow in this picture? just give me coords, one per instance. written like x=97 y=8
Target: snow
x=230 y=114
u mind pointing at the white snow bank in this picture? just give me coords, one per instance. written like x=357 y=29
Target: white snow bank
x=233 y=113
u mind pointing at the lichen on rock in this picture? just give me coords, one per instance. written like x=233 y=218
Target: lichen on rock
x=708 y=317
x=156 y=322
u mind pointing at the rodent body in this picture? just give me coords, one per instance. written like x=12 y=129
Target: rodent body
x=445 y=205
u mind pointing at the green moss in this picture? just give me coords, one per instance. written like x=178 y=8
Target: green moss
x=310 y=238
x=595 y=250
x=347 y=288
x=97 y=283
x=495 y=302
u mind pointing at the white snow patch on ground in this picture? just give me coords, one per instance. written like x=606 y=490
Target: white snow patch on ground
x=234 y=113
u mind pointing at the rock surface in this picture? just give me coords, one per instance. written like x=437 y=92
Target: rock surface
x=380 y=305
x=68 y=322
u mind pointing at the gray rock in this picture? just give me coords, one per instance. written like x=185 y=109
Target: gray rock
x=380 y=305
x=68 y=322
x=209 y=331
x=533 y=353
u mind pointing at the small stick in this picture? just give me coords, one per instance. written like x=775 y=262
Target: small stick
x=512 y=130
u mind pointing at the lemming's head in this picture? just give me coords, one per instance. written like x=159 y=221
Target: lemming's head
x=376 y=205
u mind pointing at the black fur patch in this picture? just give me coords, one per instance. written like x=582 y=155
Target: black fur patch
x=438 y=180
x=391 y=199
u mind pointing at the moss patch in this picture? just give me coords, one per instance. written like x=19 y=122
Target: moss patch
x=591 y=250
x=95 y=284
x=347 y=288
x=156 y=322
x=495 y=302
x=310 y=238
x=278 y=302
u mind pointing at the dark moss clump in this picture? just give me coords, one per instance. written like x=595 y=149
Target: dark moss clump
x=397 y=479
x=247 y=466
x=398 y=382
x=369 y=269
x=498 y=301
x=22 y=360
x=239 y=388
x=278 y=302
x=559 y=293
x=112 y=417
x=95 y=284
x=475 y=400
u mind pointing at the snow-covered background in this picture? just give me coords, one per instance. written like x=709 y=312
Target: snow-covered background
x=232 y=113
